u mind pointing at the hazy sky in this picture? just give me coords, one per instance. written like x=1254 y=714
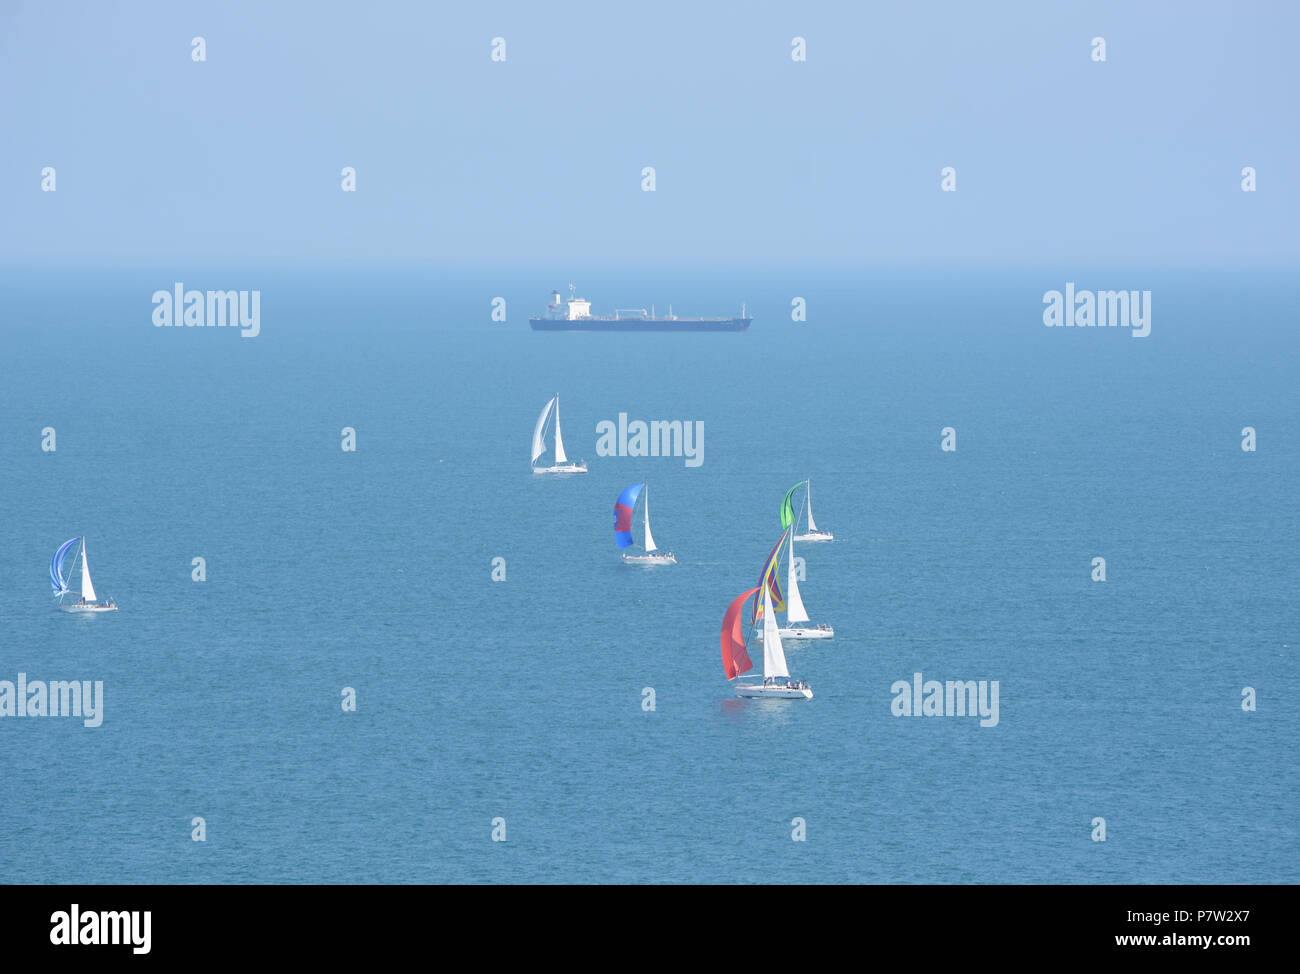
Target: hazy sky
x=759 y=159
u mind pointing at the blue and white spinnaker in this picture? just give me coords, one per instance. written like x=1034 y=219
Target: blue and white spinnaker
x=57 y=581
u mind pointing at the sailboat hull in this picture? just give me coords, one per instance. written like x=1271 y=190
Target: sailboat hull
x=668 y=559
x=88 y=609
x=815 y=536
x=755 y=690
x=799 y=632
x=563 y=468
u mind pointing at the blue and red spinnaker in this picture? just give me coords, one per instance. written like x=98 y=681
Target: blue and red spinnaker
x=623 y=509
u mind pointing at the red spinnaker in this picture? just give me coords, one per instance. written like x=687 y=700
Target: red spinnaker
x=734 y=658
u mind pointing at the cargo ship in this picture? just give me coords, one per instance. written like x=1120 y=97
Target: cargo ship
x=575 y=315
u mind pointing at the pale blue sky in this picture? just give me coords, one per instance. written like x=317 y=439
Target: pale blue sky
x=759 y=159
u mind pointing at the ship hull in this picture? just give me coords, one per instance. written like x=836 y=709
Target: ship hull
x=639 y=324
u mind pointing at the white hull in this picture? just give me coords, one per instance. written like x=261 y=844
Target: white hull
x=83 y=609
x=668 y=559
x=799 y=632
x=780 y=692
x=815 y=536
x=563 y=468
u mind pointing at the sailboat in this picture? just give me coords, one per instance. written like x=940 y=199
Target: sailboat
x=735 y=660
x=787 y=515
x=795 y=611
x=623 y=510
x=562 y=463
x=88 y=602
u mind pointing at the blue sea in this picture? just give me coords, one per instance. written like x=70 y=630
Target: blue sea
x=522 y=699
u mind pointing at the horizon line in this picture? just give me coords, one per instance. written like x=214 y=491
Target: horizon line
x=679 y=263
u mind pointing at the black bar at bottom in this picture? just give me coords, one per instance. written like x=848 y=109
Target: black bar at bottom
x=338 y=923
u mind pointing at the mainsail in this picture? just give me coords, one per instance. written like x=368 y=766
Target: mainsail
x=559 y=440
x=773 y=654
x=87 y=590
x=794 y=610
x=623 y=508
x=812 y=525
x=539 y=443
x=734 y=658
x=57 y=580
x=649 y=539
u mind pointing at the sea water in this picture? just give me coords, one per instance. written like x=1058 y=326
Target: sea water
x=527 y=699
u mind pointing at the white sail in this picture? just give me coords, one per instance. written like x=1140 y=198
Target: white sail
x=559 y=441
x=539 y=444
x=812 y=525
x=649 y=538
x=773 y=654
x=794 y=610
x=87 y=590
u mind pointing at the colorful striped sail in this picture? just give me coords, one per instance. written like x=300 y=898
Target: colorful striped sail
x=771 y=577
x=735 y=660
x=623 y=509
